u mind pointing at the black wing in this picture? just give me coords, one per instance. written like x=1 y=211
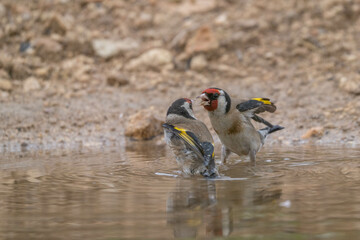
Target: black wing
x=188 y=137
x=203 y=149
x=256 y=105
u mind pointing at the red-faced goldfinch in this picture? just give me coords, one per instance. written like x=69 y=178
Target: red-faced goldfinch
x=231 y=120
x=189 y=139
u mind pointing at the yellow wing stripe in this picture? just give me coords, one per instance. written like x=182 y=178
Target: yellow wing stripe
x=185 y=136
x=263 y=100
x=189 y=139
x=213 y=153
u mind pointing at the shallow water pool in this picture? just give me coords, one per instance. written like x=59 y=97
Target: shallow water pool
x=136 y=192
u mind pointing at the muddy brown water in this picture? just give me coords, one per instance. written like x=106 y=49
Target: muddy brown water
x=136 y=192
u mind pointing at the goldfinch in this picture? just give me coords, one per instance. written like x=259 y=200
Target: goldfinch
x=231 y=121
x=189 y=139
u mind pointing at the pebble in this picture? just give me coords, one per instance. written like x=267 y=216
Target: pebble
x=2 y=10
x=155 y=58
x=350 y=85
x=47 y=48
x=198 y=62
x=56 y=24
x=189 y=7
x=107 y=48
x=31 y=84
x=249 y=24
x=5 y=85
x=4 y=74
x=42 y=72
x=20 y=70
x=221 y=19
x=117 y=79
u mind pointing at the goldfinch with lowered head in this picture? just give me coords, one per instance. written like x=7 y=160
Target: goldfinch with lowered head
x=189 y=139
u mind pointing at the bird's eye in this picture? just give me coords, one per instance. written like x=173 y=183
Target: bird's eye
x=216 y=95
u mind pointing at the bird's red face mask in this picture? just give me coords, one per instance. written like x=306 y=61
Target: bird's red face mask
x=209 y=99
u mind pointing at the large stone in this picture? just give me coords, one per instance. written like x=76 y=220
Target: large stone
x=155 y=58
x=314 y=132
x=107 y=48
x=144 y=125
x=5 y=85
x=203 y=40
x=31 y=84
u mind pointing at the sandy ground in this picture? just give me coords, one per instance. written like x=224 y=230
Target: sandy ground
x=73 y=72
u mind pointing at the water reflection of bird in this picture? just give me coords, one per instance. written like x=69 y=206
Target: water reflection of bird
x=231 y=120
x=189 y=139
x=192 y=210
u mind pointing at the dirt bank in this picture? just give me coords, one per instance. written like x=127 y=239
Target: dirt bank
x=72 y=72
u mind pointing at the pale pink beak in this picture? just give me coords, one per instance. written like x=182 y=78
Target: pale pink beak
x=205 y=101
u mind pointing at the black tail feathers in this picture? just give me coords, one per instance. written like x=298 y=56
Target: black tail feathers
x=275 y=128
x=266 y=131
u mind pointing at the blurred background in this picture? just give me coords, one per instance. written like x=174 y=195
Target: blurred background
x=78 y=76
x=76 y=72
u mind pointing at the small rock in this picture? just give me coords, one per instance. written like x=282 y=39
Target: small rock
x=143 y=125
x=52 y=120
x=221 y=19
x=42 y=72
x=47 y=48
x=269 y=55
x=189 y=7
x=198 y=62
x=24 y=144
x=4 y=74
x=249 y=24
x=24 y=46
x=78 y=43
x=203 y=40
x=154 y=58
x=313 y=132
x=31 y=84
x=56 y=25
x=19 y=70
x=62 y=124
x=5 y=85
x=351 y=85
x=229 y=70
x=107 y=48
x=117 y=79
x=2 y=10
x=143 y=20
x=82 y=73
x=4 y=94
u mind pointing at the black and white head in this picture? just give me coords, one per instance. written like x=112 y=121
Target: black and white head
x=181 y=107
x=215 y=100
